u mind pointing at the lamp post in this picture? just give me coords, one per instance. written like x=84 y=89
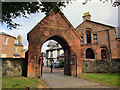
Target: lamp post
x=41 y=62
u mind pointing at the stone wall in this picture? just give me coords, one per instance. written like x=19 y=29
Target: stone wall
x=100 y=66
x=18 y=66
x=14 y=67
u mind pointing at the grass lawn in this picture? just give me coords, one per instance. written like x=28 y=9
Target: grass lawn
x=112 y=79
x=22 y=82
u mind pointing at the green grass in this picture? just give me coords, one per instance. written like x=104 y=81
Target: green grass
x=22 y=82
x=112 y=79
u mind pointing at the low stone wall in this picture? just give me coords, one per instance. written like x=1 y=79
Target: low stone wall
x=100 y=66
x=14 y=67
x=18 y=66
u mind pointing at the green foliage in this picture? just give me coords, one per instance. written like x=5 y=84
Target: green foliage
x=61 y=64
x=105 y=78
x=21 y=82
x=12 y=10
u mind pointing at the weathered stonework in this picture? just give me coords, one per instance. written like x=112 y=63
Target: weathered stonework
x=14 y=67
x=58 y=28
x=100 y=66
x=118 y=45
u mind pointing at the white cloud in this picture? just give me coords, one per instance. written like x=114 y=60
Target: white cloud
x=100 y=12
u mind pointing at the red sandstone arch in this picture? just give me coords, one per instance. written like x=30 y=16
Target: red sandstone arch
x=56 y=27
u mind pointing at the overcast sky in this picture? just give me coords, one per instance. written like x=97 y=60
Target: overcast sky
x=100 y=12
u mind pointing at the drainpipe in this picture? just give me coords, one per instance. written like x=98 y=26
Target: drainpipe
x=109 y=43
x=76 y=63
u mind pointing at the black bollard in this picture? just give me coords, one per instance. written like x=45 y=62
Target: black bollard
x=51 y=67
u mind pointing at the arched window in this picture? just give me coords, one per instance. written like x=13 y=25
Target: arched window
x=90 y=54
x=88 y=36
x=103 y=54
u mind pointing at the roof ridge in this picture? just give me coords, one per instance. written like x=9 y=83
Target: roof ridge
x=4 y=33
x=100 y=23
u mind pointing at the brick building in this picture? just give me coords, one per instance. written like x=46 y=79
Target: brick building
x=118 y=41
x=10 y=46
x=98 y=41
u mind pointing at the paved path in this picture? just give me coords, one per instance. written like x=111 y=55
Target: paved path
x=58 y=80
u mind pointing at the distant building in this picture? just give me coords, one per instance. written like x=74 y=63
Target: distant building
x=53 y=52
x=10 y=46
x=61 y=57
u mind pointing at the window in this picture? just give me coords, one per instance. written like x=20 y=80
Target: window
x=15 y=49
x=58 y=53
x=46 y=54
x=51 y=54
x=3 y=55
x=95 y=38
x=82 y=42
x=57 y=45
x=103 y=54
x=88 y=36
x=90 y=54
x=5 y=40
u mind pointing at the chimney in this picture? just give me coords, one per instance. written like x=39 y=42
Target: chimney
x=19 y=38
x=86 y=16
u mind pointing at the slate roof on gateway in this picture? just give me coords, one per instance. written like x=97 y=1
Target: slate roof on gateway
x=3 y=33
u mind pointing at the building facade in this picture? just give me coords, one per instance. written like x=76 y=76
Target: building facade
x=53 y=52
x=10 y=46
x=118 y=41
x=98 y=41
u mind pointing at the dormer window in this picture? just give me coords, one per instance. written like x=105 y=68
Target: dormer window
x=16 y=41
x=88 y=36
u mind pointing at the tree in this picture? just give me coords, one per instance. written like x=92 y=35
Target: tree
x=12 y=10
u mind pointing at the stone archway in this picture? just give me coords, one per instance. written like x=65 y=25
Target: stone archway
x=58 y=28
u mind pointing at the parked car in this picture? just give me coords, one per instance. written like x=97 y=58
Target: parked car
x=56 y=64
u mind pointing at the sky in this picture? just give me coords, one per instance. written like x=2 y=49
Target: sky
x=100 y=12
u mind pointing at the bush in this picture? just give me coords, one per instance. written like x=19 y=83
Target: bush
x=61 y=64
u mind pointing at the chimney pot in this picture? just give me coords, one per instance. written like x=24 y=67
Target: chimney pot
x=86 y=16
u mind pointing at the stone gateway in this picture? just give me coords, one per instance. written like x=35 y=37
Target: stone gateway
x=54 y=27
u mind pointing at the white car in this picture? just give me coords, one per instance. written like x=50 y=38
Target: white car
x=56 y=64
